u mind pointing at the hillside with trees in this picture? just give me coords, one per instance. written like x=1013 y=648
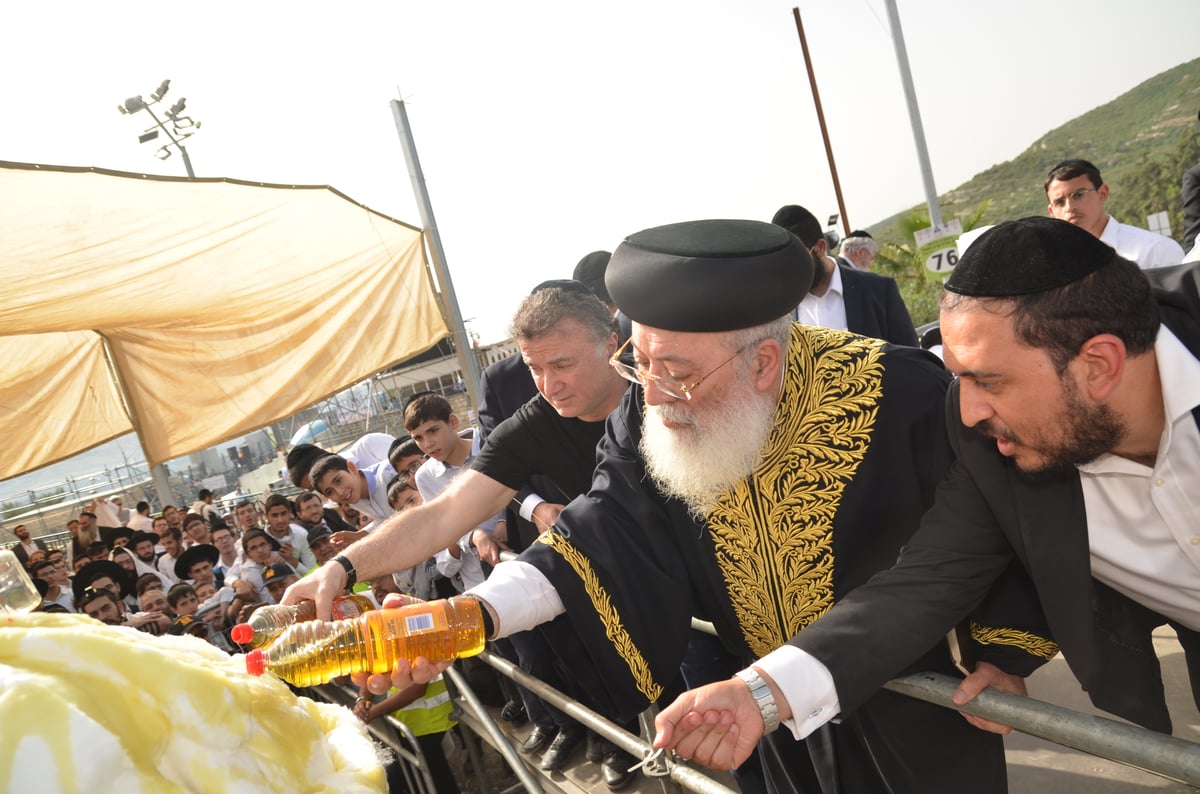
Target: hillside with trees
x=1142 y=142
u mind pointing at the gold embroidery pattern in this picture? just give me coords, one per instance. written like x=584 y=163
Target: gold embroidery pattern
x=1026 y=641
x=613 y=629
x=773 y=532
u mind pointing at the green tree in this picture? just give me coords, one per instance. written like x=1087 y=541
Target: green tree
x=901 y=262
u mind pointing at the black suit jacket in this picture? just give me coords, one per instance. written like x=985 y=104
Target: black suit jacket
x=1190 y=196
x=984 y=516
x=22 y=556
x=874 y=307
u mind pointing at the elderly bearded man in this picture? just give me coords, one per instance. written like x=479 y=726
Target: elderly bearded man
x=761 y=472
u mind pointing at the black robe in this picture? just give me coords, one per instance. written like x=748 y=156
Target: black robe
x=858 y=447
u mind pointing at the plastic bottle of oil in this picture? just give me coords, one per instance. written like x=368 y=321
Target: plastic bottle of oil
x=270 y=621
x=316 y=652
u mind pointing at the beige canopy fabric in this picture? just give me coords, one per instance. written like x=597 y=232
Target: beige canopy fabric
x=215 y=306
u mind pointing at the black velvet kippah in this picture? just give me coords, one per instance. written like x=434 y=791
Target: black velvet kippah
x=1027 y=256
x=564 y=284
x=591 y=267
x=799 y=222
x=709 y=276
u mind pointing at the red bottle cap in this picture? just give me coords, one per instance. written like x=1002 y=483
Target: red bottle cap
x=242 y=633
x=256 y=662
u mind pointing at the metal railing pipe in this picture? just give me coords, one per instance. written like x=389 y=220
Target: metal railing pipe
x=1134 y=746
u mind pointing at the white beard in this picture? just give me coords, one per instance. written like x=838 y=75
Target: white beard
x=721 y=444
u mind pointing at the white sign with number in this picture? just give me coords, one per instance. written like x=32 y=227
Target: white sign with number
x=936 y=246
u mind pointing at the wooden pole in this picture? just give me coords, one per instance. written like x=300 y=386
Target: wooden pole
x=812 y=80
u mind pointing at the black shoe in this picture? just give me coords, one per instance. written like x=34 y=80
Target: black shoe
x=615 y=769
x=538 y=739
x=597 y=747
x=514 y=712
x=567 y=740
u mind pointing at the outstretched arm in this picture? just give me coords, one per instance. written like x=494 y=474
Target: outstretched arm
x=407 y=539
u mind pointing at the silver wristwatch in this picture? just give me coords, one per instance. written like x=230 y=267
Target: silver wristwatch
x=762 y=696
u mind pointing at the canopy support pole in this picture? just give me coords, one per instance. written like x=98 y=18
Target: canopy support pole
x=158 y=472
x=468 y=362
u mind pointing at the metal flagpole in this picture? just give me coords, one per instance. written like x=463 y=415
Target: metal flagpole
x=914 y=114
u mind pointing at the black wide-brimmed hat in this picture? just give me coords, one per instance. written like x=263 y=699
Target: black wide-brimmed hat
x=96 y=569
x=199 y=553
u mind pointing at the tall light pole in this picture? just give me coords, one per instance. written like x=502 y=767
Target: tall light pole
x=182 y=127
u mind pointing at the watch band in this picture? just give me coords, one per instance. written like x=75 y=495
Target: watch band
x=762 y=696
x=351 y=575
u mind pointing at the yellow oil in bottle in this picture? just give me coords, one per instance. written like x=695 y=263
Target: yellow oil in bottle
x=317 y=652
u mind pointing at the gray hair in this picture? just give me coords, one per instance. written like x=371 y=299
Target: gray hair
x=546 y=308
x=852 y=245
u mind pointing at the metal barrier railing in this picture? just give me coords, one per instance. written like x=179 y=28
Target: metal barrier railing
x=1157 y=753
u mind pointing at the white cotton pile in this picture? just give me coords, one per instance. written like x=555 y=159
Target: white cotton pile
x=90 y=707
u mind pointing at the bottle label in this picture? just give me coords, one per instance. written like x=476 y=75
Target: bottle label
x=422 y=621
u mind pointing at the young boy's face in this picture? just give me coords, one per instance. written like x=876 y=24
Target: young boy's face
x=204 y=591
x=259 y=550
x=187 y=604
x=279 y=518
x=343 y=487
x=436 y=438
x=407 y=498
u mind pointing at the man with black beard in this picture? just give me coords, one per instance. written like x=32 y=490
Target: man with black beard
x=1074 y=420
x=758 y=472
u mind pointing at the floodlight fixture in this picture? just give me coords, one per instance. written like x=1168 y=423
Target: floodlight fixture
x=182 y=127
x=133 y=104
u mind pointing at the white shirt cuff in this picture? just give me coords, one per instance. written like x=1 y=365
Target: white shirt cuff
x=806 y=685
x=520 y=595
x=528 y=504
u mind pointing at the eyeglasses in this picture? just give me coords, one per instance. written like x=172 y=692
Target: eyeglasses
x=1074 y=197
x=671 y=388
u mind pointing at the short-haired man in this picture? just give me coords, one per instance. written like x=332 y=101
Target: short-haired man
x=204 y=507
x=140 y=520
x=761 y=471
x=25 y=545
x=195 y=530
x=174 y=516
x=226 y=542
x=858 y=250
x=1077 y=195
x=172 y=543
x=846 y=298
x=245 y=516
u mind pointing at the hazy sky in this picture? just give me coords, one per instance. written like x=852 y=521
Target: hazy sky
x=550 y=129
